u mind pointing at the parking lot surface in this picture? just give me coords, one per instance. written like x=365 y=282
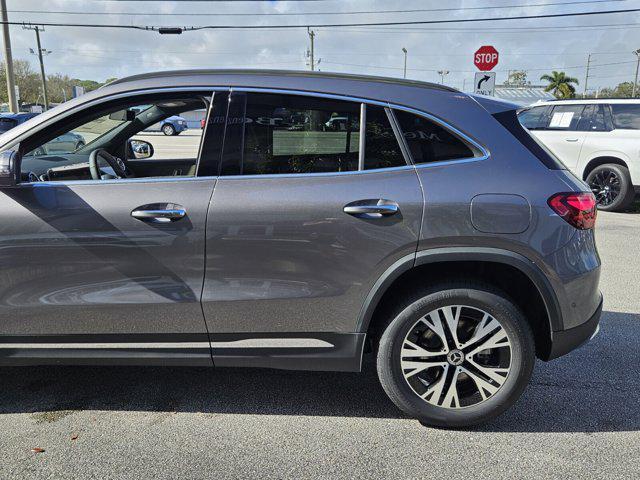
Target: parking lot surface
x=580 y=418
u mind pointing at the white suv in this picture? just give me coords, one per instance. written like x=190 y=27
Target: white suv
x=599 y=140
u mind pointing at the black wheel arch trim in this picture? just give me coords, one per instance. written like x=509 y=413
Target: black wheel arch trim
x=462 y=254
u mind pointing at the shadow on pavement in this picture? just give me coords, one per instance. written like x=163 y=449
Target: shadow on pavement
x=595 y=389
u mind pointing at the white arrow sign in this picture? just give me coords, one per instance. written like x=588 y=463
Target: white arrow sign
x=484 y=83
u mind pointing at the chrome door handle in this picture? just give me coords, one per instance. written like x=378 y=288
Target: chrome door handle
x=159 y=213
x=371 y=208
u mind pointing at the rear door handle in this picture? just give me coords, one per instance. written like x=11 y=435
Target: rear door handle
x=377 y=208
x=571 y=139
x=159 y=212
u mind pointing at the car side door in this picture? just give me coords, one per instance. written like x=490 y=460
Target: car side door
x=560 y=133
x=304 y=220
x=107 y=269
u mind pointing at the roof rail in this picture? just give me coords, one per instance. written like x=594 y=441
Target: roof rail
x=298 y=73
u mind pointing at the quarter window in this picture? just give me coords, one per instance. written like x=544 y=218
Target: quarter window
x=429 y=142
x=381 y=146
x=626 y=116
x=533 y=118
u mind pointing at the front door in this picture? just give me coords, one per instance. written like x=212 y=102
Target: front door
x=302 y=222
x=107 y=267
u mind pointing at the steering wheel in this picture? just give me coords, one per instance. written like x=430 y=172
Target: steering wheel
x=119 y=167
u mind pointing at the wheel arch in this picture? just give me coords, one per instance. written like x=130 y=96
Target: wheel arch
x=602 y=160
x=514 y=273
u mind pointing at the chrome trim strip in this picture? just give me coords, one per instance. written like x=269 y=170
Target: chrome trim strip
x=119 y=181
x=105 y=346
x=274 y=343
x=361 y=140
x=317 y=174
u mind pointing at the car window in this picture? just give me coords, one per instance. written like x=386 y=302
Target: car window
x=381 y=145
x=126 y=132
x=430 y=142
x=565 y=117
x=626 y=116
x=533 y=118
x=592 y=119
x=7 y=124
x=291 y=134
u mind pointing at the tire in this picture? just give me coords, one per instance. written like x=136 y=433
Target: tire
x=168 y=129
x=404 y=388
x=611 y=184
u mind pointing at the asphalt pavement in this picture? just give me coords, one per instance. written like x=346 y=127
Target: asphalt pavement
x=580 y=418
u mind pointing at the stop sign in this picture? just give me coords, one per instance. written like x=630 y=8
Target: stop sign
x=485 y=58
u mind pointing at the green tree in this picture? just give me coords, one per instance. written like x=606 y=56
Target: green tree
x=560 y=84
x=517 y=78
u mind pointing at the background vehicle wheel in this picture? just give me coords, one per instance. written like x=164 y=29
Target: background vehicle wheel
x=168 y=129
x=456 y=355
x=611 y=184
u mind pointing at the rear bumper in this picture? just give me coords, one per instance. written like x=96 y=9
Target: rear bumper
x=565 y=341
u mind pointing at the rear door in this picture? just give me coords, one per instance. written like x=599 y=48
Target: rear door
x=303 y=221
x=560 y=133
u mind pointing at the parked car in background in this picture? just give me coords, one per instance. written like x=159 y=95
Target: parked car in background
x=599 y=140
x=173 y=125
x=439 y=236
x=68 y=142
x=11 y=120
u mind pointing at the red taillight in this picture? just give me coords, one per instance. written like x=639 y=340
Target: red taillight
x=578 y=209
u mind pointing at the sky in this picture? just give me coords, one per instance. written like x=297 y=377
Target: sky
x=535 y=45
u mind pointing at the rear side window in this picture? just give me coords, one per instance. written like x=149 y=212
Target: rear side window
x=533 y=118
x=592 y=119
x=626 y=116
x=7 y=124
x=285 y=134
x=565 y=117
x=429 y=142
x=381 y=148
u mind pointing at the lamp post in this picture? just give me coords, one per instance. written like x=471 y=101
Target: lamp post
x=442 y=73
x=404 y=75
x=635 y=81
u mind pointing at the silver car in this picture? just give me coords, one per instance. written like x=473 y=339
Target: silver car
x=429 y=231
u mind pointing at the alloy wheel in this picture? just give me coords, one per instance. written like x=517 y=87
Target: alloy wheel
x=606 y=186
x=456 y=356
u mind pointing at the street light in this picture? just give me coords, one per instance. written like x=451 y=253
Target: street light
x=404 y=50
x=635 y=82
x=442 y=73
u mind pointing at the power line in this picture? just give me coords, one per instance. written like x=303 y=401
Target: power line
x=322 y=25
x=291 y=14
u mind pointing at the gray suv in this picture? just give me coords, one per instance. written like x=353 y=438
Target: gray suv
x=426 y=227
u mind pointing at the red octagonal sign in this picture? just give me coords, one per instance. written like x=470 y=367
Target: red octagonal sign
x=485 y=58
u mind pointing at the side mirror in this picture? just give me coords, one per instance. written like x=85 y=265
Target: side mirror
x=140 y=149
x=123 y=115
x=9 y=168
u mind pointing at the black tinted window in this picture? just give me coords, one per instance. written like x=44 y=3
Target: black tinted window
x=533 y=118
x=592 y=119
x=381 y=147
x=429 y=142
x=565 y=117
x=292 y=134
x=626 y=116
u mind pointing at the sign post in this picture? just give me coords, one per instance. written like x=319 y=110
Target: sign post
x=485 y=59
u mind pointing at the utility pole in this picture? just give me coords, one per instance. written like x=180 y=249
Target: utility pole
x=8 y=60
x=404 y=75
x=39 y=53
x=635 y=82
x=586 y=77
x=310 y=53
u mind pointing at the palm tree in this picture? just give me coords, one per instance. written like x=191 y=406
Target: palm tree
x=560 y=84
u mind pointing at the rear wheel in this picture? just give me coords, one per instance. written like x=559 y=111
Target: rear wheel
x=168 y=129
x=611 y=184
x=456 y=355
